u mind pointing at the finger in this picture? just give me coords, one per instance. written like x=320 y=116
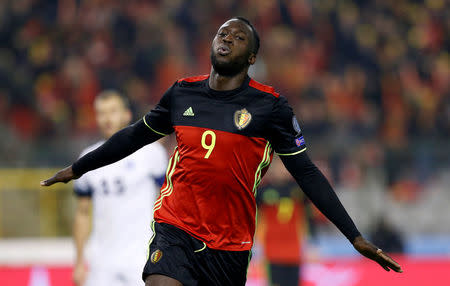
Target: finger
x=393 y=267
x=49 y=181
x=391 y=263
x=389 y=260
x=382 y=264
x=396 y=268
x=385 y=267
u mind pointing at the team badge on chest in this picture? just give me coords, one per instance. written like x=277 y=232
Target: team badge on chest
x=242 y=118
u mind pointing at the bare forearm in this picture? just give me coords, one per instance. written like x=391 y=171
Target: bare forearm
x=81 y=231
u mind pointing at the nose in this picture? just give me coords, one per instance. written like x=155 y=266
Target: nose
x=228 y=39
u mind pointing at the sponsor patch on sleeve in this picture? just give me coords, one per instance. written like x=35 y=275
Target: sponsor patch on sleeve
x=300 y=141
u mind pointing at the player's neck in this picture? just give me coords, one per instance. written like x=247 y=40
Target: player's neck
x=223 y=83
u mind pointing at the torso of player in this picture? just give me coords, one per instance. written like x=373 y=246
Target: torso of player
x=281 y=214
x=222 y=154
x=123 y=195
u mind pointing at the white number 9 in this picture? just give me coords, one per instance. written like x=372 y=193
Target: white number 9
x=209 y=147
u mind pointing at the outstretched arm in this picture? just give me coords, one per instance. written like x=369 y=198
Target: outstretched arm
x=319 y=191
x=120 y=145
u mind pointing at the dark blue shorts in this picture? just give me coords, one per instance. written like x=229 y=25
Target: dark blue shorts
x=284 y=274
x=176 y=254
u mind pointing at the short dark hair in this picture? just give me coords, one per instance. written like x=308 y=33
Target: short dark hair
x=114 y=93
x=255 y=34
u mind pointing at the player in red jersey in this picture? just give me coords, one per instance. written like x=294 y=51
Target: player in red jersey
x=284 y=219
x=227 y=128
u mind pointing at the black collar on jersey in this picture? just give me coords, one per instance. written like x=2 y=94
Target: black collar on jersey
x=227 y=93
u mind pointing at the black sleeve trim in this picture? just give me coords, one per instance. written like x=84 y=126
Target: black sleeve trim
x=120 y=145
x=319 y=191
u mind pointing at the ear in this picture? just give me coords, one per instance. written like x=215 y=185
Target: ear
x=252 y=59
x=129 y=116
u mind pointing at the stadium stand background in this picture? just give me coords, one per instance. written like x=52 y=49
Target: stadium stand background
x=369 y=81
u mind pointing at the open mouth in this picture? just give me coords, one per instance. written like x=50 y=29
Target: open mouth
x=224 y=50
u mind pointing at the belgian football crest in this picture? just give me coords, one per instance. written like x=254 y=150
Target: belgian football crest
x=156 y=256
x=242 y=118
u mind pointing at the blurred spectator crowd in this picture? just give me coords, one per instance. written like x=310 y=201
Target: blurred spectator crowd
x=369 y=80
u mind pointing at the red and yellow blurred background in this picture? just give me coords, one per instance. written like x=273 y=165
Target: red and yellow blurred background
x=369 y=82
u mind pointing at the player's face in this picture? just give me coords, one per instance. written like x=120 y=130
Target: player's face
x=111 y=115
x=231 y=49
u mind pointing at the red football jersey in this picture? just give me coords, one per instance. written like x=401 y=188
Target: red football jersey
x=282 y=222
x=225 y=143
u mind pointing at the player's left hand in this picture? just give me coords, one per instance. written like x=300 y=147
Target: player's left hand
x=63 y=176
x=370 y=251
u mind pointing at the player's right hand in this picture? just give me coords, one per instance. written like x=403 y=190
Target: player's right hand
x=79 y=274
x=63 y=176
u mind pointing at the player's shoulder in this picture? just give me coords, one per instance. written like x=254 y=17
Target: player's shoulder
x=264 y=89
x=192 y=81
x=91 y=147
x=152 y=148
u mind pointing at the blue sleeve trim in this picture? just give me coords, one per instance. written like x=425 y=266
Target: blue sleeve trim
x=83 y=192
x=159 y=181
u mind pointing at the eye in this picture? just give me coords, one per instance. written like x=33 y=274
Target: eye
x=221 y=34
x=240 y=38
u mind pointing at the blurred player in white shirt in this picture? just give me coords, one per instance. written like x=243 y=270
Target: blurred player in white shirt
x=122 y=197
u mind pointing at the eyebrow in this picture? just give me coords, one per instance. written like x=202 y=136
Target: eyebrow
x=238 y=31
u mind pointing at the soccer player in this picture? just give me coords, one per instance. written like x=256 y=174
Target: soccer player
x=122 y=195
x=227 y=127
x=283 y=219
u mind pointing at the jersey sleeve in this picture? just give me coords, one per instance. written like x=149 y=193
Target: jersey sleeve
x=159 y=118
x=285 y=133
x=82 y=187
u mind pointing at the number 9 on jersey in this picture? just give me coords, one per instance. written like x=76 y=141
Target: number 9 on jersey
x=209 y=147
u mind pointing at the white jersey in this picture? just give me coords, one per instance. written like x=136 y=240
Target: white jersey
x=123 y=195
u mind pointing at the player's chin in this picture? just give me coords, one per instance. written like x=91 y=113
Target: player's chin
x=222 y=65
x=223 y=60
